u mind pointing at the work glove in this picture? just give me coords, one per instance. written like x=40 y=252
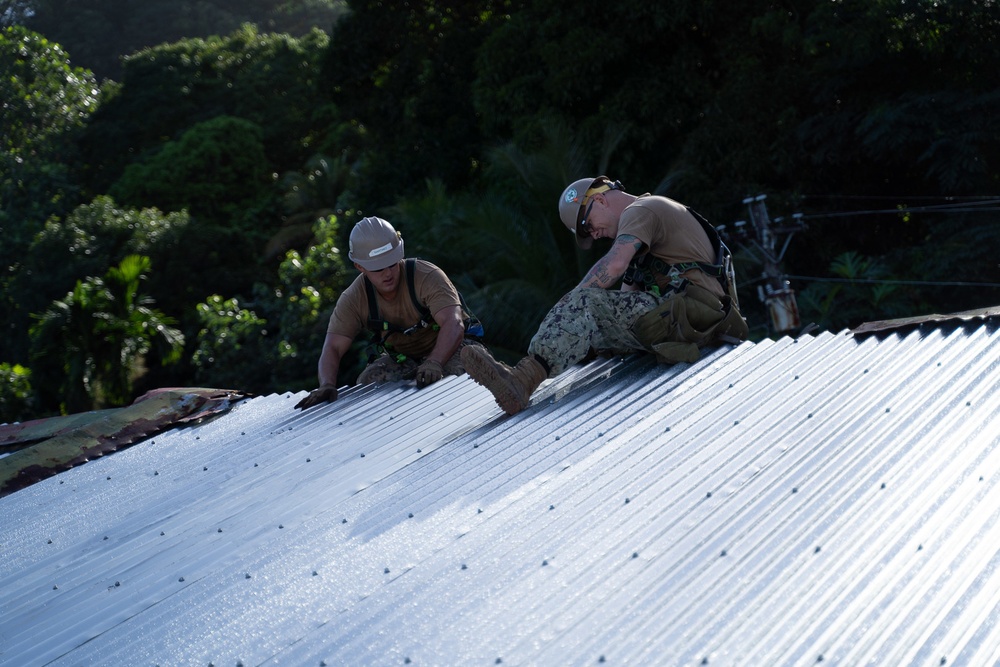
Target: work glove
x=324 y=394
x=429 y=372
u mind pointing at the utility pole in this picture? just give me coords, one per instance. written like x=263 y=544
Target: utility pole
x=775 y=291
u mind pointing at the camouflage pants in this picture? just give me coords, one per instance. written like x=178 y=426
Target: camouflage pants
x=385 y=368
x=590 y=318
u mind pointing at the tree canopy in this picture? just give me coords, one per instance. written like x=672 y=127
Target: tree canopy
x=236 y=152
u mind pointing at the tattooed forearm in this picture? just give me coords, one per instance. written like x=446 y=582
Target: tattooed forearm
x=610 y=268
x=599 y=275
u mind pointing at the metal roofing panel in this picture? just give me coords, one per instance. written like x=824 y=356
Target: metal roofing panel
x=830 y=497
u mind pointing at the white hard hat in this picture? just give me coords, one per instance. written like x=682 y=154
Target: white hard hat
x=375 y=244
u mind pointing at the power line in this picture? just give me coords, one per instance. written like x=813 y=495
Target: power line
x=877 y=281
x=986 y=206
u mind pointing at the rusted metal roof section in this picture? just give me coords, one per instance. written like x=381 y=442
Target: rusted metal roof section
x=992 y=313
x=828 y=500
x=44 y=447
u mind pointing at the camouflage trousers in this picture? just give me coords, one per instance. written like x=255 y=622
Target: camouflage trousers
x=590 y=318
x=385 y=368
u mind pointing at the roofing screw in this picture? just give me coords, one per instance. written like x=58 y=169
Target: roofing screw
x=243 y=432
x=181 y=579
x=280 y=526
x=887 y=410
x=601 y=659
x=162 y=533
x=944 y=660
x=817 y=550
x=247 y=575
x=499 y=660
x=343 y=521
x=49 y=542
x=411 y=515
x=795 y=489
x=386 y=571
x=109 y=476
x=315 y=573
x=809 y=416
x=883 y=485
x=920 y=547
x=254 y=465
x=478 y=511
x=205 y=468
x=635 y=554
x=736 y=423
x=723 y=554
x=708 y=495
x=704 y=661
x=552 y=507
x=627 y=501
x=362 y=455
x=55 y=588
x=118 y=583
x=464 y=566
x=419 y=451
x=308 y=460
x=819 y=658
x=557 y=437
x=544 y=563
x=666 y=430
x=220 y=530
x=155 y=473
x=105 y=537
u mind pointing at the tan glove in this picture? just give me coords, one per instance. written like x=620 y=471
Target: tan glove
x=324 y=394
x=429 y=372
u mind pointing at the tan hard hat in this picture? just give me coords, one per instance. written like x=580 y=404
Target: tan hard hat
x=572 y=201
x=375 y=244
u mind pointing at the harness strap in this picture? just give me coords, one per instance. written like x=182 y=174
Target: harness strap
x=646 y=268
x=382 y=328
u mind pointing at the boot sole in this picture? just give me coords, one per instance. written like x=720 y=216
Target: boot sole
x=485 y=373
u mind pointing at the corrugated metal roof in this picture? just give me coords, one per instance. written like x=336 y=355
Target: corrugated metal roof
x=828 y=499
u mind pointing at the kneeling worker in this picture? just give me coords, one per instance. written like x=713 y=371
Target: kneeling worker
x=678 y=291
x=411 y=307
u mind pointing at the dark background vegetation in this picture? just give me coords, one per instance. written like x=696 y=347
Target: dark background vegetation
x=178 y=179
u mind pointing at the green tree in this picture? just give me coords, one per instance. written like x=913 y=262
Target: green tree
x=101 y=32
x=91 y=238
x=45 y=102
x=91 y=343
x=399 y=72
x=272 y=341
x=266 y=79
x=215 y=170
x=16 y=394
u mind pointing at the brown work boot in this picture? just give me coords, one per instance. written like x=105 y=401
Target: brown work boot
x=511 y=387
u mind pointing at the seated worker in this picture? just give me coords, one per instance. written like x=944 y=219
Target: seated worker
x=417 y=316
x=677 y=293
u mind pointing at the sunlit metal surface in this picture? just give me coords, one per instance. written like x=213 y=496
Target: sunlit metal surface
x=831 y=499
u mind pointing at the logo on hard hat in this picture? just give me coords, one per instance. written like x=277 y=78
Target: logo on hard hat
x=380 y=251
x=571 y=195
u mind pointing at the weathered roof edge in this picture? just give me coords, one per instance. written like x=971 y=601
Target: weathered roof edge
x=984 y=314
x=45 y=447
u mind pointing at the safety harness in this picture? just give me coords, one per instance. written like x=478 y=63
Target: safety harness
x=645 y=269
x=381 y=329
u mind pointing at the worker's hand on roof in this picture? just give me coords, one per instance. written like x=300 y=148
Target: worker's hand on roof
x=324 y=394
x=429 y=372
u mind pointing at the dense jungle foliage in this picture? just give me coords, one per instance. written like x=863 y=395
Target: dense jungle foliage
x=178 y=179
